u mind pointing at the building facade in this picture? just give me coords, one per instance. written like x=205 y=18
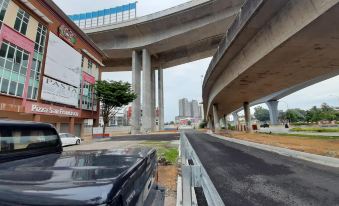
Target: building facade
x=189 y=112
x=48 y=67
x=189 y=108
x=195 y=110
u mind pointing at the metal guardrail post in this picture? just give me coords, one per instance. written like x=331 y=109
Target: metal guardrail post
x=194 y=175
x=186 y=185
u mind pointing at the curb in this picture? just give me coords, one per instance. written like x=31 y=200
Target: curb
x=322 y=160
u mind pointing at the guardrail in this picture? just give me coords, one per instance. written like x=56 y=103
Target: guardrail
x=193 y=174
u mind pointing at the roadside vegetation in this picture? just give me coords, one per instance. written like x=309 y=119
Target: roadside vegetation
x=167 y=153
x=299 y=116
x=314 y=129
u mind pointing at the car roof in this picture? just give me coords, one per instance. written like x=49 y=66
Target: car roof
x=17 y=123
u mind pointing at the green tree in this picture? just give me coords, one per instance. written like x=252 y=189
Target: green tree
x=202 y=124
x=295 y=115
x=325 y=112
x=189 y=122
x=113 y=95
x=261 y=114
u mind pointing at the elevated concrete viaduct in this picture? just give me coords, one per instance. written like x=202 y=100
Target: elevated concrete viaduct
x=181 y=34
x=272 y=100
x=272 y=46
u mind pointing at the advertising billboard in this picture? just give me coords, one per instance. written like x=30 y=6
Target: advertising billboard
x=55 y=91
x=63 y=62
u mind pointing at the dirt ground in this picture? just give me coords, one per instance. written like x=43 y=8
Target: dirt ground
x=167 y=177
x=304 y=144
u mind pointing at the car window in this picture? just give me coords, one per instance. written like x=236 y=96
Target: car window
x=19 y=139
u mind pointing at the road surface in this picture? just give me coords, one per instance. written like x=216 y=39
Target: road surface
x=247 y=176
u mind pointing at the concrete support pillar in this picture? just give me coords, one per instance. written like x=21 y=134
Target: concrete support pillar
x=224 y=121
x=71 y=125
x=247 y=112
x=146 y=92
x=153 y=102
x=209 y=122
x=235 y=118
x=274 y=113
x=216 y=119
x=161 y=98
x=136 y=86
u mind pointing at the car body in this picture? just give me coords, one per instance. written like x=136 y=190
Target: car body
x=265 y=125
x=34 y=170
x=69 y=139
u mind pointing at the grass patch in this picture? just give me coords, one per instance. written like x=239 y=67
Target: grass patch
x=164 y=149
x=314 y=129
x=171 y=155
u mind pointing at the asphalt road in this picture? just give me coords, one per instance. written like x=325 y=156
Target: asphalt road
x=248 y=176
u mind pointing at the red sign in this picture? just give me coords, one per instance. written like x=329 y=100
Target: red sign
x=88 y=78
x=46 y=109
x=16 y=38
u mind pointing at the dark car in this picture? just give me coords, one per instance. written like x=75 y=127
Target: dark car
x=35 y=171
x=265 y=125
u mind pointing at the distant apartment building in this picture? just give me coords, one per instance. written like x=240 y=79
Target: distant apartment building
x=189 y=111
x=195 y=110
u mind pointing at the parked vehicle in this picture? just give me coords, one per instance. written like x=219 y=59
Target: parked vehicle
x=69 y=139
x=265 y=125
x=34 y=170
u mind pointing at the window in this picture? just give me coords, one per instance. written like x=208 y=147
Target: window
x=39 y=49
x=3 y=8
x=13 y=139
x=87 y=97
x=21 y=21
x=40 y=39
x=13 y=68
x=90 y=66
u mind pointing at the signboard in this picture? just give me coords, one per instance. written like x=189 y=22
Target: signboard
x=88 y=78
x=55 y=91
x=67 y=34
x=63 y=62
x=45 y=109
x=16 y=38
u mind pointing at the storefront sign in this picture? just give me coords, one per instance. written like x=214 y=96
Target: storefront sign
x=63 y=62
x=55 y=91
x=67 y=34
x=45 y=109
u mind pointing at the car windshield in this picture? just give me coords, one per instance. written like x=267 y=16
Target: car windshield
x=21 y=139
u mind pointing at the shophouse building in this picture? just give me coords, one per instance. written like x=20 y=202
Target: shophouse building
x=48 y=67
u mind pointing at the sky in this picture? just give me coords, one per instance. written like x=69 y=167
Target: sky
x=186 y=80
